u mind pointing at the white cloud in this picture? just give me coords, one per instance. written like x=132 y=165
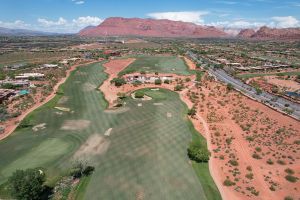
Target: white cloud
x=285 y=22
x=79 y=2
x=19 y=24
x=64 y=26
x=86 y=21
x=185 y=16
x=47 y=23
x=238 y=24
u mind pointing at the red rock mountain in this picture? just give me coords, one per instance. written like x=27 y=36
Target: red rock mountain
x=117 y=26
x=272 y=33
x=246 y=33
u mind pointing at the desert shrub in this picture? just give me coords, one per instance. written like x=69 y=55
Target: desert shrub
x=289 y=171
x=139 y=94
x=228 y=182
x=249 y=168
x=178 y=87
x=233 y=162
x=288 y=198
x=187 y=79
x=250 y=138
x=270 y=162
x=281 y=162
x=258 y=149
x=256 y=156
x=291 y=178
x=249 y=176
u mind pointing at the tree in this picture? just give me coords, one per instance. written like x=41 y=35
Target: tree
x=178 y=87
x=258 y=90
x=229 y=86
x=198 y=153
x=118 y=81
x=157 y=81
x=139 y=94
x=27 y=184
x=192 y=111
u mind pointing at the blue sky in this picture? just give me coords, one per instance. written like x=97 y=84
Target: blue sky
x=72 y=15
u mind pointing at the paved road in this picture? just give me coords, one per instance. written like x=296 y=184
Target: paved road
x=264 y=97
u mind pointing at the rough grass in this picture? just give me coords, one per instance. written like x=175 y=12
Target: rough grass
x=161 y=64
x=147 y=152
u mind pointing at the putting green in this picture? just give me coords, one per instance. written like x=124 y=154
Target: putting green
x=144 y=156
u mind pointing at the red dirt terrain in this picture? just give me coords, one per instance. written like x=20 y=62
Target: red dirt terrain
x=117 y=26
x=271 y=33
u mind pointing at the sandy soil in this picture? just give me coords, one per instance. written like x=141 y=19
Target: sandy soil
x=251 y=144
x=236 y=128
x=11 y=124
x=190 y=63
x=290 y=85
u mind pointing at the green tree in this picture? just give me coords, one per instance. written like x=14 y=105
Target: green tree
x=198 y=153
x=229 y=86
x=157 y=82
x=27 y=184
x=139 y=94
x=192 y=111
x=118 y=81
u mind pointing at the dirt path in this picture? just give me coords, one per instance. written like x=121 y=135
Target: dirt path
x=12 y=124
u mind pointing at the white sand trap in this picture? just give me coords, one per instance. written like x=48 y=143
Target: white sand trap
x=107 y=132
x=158 y=104
x=139 y=105
x=39 y=127
x=155 y=89
x=59 y=113
x=63 y=109
x=117 y=110
x=169 y=114
x=75 y=125
x=88 y=87
x=94 y=145
x=63 y=100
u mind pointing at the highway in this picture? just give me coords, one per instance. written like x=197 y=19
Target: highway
x=273 y=101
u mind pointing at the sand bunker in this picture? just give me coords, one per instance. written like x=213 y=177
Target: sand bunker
x=94 y=145
x=117 y=110
x=63 y=100
x=59 y=113
x=88 y=87
x=75 y=125
x=39 y=127
x=107 y=132
x=63 y=109
x=139 y=105
x=158 y=104
x=169 y=114
x=154 y=89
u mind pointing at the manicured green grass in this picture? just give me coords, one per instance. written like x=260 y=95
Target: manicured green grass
x=146 y=154
x=161 y=64
x=246 y=76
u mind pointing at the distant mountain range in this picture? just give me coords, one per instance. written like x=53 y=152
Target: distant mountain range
x=271 y=33
x=23 y=32
x=117 y=26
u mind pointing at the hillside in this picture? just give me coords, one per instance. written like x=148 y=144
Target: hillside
x=271 y=33
x=117 y=26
